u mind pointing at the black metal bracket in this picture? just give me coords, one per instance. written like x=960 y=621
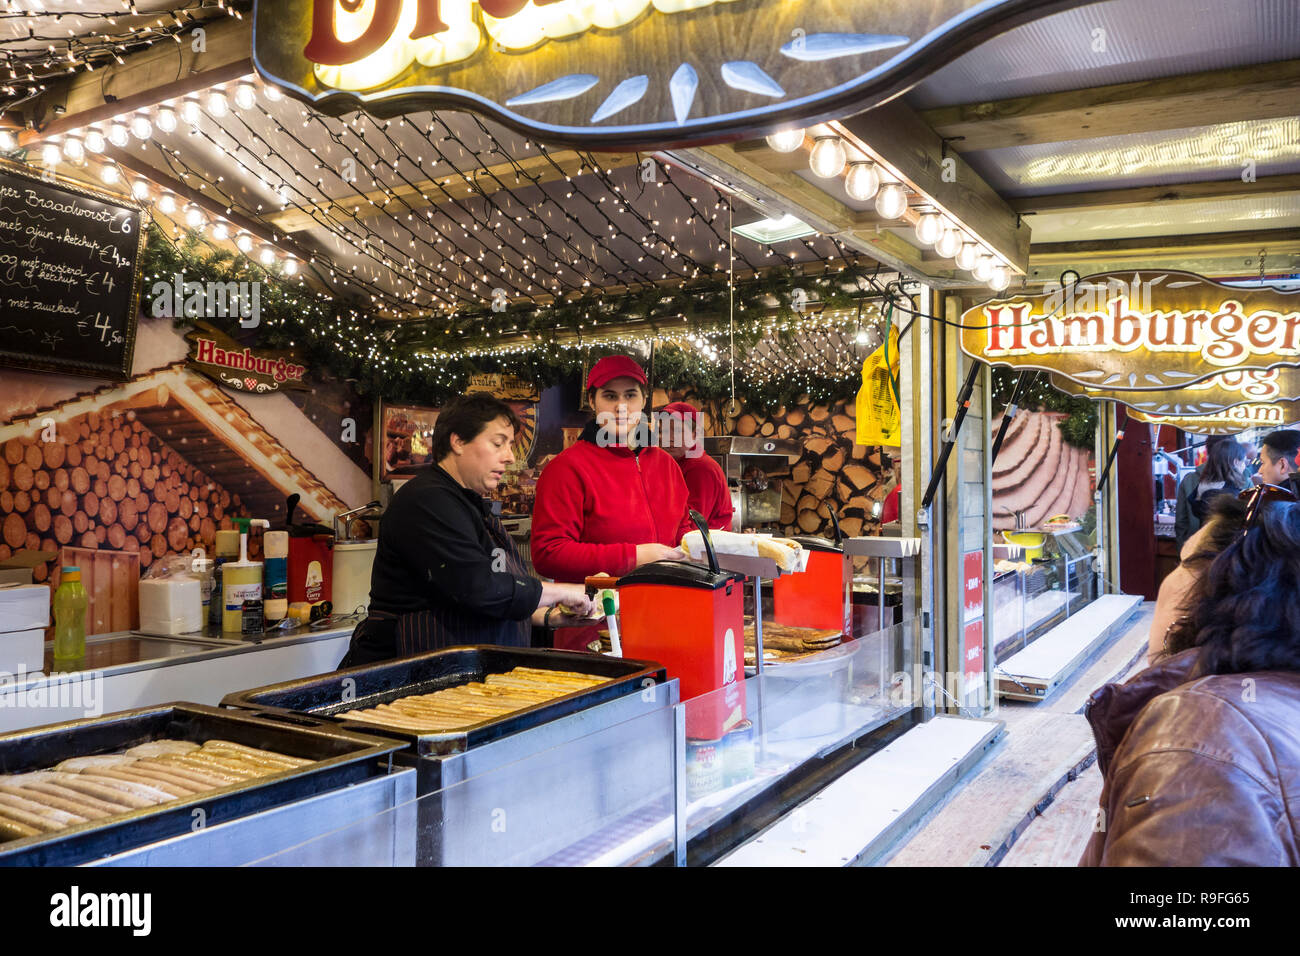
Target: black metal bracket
x=963 y=405
x=1022 y=381
x=1110 y=460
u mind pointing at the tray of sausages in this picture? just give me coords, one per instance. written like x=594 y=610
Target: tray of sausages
x=75 y=792
x=452 y=699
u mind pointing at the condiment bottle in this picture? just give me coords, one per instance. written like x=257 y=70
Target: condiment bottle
x=70 y=602
x=241 y=587
x=225 y=549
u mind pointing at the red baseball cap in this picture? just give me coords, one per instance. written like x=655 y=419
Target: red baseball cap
x=685 y=409
x=612 y=367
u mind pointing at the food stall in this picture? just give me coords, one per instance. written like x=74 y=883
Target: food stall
x=276 y=329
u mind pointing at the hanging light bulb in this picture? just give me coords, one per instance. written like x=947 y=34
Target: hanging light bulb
x=291 y=266
x=141 y=128
x=244 y=242
x=786 y=140
x=828 y=157
x=267 y=255
x=949 y=243
x=193 y=216
x=983 y=270
x=95 y=140
x=109 y=174
x=140 y=189
x=51 y=154
x=863 y=181
x=929 y=227
x=8 y=142
x=166 y=204
x=221 y=231
x=166 y=119
x=861 y=337
x=272 y=92
x=74 y=150
x=118 y=134
x=967 y=256
x=218 y=106
x=190 y=110
x=891 y=201
x=1001 y=278
x=245 y=95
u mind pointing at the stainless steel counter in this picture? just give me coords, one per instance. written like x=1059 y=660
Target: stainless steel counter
x=126 y=670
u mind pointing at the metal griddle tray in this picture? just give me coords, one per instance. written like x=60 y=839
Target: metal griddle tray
x=341 y=758
x=371 y=684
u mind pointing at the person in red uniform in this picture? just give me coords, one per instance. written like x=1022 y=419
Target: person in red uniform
x=610 y=502
x=706 y=485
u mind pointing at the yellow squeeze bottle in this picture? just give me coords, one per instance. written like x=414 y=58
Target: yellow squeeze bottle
x=241 y=585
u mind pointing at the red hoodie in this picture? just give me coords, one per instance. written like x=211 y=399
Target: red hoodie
x=595 y=505
x=707 y=490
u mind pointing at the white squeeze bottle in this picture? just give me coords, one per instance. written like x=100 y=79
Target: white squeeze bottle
x=241 y=585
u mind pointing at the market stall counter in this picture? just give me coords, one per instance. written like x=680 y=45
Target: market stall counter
x=126 y=670
x=464 y=713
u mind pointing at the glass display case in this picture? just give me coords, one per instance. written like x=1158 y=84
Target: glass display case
x=681 y=801
x=1050 y=576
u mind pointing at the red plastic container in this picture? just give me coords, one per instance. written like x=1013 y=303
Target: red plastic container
x=692 y=621
x=311 y=568
x=820 y=596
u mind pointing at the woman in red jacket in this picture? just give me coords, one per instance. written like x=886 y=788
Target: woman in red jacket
x=706 y=484
x=608 y=503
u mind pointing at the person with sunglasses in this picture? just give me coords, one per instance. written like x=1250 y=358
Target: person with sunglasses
x=1199 y=756
x=1277 y=454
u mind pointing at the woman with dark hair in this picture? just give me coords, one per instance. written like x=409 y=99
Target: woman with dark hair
x=1199 y=754
x=446 y=572
x=1223 y=519
x=1224 y=472
x=611 y=501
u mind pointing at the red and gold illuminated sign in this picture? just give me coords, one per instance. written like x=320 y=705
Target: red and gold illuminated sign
x=1230 y=420
x=621 y=73
x=236 y=366
x=1225 y=390
x=1138 y=331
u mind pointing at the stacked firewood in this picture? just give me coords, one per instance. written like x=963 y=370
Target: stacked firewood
x=833 y=469
x=107 y=482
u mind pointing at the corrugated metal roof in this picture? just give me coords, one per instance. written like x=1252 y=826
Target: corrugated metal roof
x=1138 y=40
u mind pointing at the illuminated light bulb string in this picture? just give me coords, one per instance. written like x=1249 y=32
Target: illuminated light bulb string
x=866 y=181
x=50 y=49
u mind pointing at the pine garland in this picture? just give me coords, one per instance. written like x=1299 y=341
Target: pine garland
x=392 y=361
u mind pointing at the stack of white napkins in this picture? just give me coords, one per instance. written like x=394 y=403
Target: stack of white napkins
x=24 y=616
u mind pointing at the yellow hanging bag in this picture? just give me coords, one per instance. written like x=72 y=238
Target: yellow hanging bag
x=879 y=417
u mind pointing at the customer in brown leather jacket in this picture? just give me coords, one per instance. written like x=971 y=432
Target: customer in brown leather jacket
x=1200 y=753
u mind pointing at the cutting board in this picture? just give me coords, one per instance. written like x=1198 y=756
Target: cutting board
x=112 y=583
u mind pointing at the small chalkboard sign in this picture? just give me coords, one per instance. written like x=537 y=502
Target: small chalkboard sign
x=69 y=275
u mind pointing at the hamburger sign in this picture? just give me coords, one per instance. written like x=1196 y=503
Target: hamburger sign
x=1141 y=331
x=621 y=73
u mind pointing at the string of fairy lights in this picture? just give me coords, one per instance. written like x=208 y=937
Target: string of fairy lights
x=57 y=40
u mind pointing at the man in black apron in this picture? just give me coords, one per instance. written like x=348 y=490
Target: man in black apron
x=446 y=572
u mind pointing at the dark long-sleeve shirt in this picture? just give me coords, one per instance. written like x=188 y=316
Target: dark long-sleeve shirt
x=444 y=555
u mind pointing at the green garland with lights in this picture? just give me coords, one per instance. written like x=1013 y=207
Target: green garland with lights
x=390 y=360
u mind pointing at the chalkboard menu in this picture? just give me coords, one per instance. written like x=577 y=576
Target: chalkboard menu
x=69 y=275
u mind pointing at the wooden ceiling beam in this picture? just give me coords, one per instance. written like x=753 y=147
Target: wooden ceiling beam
x=1275 y=241
x=1155 y=196
x=920 y=158
x=166 y=70
x=454 y=186
x=1256 y=92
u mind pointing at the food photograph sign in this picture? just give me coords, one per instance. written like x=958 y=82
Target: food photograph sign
x=1140 y=330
